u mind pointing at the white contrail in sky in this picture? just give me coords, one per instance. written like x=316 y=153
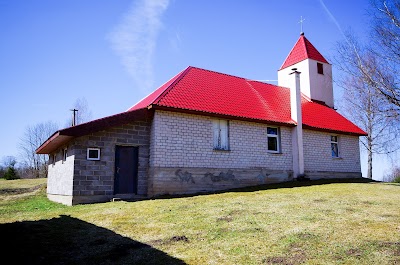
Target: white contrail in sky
x=332 y=17
x=134 y=39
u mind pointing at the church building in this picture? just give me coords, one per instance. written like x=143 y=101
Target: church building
x=205 y=131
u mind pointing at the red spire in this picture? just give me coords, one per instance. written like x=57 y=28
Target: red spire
x=303 y=49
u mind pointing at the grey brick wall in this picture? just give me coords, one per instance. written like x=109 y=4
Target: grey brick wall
x=97 y=177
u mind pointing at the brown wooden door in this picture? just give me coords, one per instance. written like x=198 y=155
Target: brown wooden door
x=126 y=169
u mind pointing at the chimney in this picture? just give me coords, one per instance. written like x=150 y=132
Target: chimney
x=297 y=131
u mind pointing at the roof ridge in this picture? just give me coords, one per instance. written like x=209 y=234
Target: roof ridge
x=311 y=46
x=168 y=88
x=216 y=72
x=306 y=47
x=287 y=56
x=262 y=99
x=302 y=50
x=153 y=96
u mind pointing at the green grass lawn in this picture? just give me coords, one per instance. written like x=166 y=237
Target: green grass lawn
x=317 y=222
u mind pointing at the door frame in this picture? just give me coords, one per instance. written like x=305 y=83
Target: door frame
x=117 y=168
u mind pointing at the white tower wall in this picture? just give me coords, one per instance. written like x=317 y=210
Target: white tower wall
x=313 y=85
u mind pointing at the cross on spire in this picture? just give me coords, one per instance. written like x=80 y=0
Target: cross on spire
x=301 y=24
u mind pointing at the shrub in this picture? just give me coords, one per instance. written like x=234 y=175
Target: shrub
x=11 y=173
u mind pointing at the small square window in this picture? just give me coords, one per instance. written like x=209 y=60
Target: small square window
x=320 y=68
x=273 y=140
x=93 y=154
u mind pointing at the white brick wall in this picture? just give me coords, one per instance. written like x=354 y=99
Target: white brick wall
x=318 y=156
x=185 y=140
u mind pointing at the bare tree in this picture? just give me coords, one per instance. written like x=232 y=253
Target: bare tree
x=371 y=82
x=363 y=102
x=33 y=137
x=385 y=46
x=9 y=161
x=81 y=114
x=363 y=105
x=393 y=176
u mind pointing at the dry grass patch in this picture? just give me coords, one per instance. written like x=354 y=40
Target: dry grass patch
x=19 y=188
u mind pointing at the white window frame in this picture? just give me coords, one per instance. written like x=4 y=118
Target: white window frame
x=93 y=149
x=335 y=141
x=221 y=135
x=277 y=136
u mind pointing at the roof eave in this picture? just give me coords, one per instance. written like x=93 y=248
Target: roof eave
x=305 y=126
x=53 y=143
x=62 y=137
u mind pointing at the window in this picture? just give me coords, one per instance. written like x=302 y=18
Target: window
x=221 y=134
x=320 y=68
x=335 y=146
x=64 y=155
x=93 y=154
x=273 y=139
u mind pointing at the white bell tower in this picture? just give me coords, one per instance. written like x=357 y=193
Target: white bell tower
x=316 y=72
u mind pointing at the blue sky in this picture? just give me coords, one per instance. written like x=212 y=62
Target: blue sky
x=113 y=53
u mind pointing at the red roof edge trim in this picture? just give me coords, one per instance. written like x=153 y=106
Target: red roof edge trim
x=105 y=122
x=91 y=127
x=51 y=138
x=219 y=115
x=305 y=126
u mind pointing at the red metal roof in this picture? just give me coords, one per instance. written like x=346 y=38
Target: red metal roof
x=303 y=49
x=154 y=95
x=207 y=92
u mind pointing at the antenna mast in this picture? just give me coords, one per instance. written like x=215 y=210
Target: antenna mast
x=74 y=111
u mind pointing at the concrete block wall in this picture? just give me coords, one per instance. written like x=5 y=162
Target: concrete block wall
x=94 y=180
x=318 y=158
x=182 y=158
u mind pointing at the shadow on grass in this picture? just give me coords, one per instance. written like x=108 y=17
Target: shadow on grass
x=281 y=185
x=67 y=240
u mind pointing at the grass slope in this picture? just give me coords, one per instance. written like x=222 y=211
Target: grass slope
x=316 y=222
